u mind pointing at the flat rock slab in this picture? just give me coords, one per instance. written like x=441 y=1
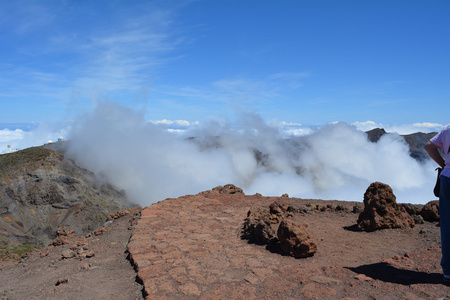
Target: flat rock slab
x=191 y=248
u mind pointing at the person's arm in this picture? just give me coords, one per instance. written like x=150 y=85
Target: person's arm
x=433 y=152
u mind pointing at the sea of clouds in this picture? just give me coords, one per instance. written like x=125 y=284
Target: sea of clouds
x=155 y=160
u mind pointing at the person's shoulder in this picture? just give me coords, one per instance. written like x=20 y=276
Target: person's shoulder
x=446 y=128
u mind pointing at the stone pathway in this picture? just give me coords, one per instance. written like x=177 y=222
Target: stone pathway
x=190 y=248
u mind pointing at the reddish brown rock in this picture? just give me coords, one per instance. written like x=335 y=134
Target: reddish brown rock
x=260 y=226
x=279 y=207
x=135 y=210
x=64 y=236
x=430 y=211
x=229 y=189
x=381 y=210
x=295 y=240
x=68 y=254
x=226 y=189
x=101 y=230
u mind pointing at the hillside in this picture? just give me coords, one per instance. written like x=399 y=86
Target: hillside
x=42 y=190
x=415 y=141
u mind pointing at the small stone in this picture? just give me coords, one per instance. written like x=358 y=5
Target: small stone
x=85 y=266
x=68 y=254
x=44 y=253
x=89 y=253
x=62 y=281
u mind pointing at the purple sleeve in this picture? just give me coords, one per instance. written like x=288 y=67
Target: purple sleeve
x=442 y=139
x=438 y=140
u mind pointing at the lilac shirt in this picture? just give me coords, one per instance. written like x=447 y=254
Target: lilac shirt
x=442 y=140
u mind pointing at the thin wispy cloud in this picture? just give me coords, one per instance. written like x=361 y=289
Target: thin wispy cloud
x=95 y=60
x=243 y=91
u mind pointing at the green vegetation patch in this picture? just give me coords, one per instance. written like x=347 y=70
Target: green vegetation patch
x=17 y=249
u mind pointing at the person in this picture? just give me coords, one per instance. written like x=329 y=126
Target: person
x=441 y=141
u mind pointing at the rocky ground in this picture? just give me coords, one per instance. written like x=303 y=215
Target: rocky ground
x=191 y=248
x=78 y=267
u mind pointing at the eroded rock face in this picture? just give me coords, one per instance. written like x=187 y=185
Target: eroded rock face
x=381 y=210
x=41 y=190
x=430 y=211
x=269 y=225
x=260 y=226
x=295 y=240
x=226 y=189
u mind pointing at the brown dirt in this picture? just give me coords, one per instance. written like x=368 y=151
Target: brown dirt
x=45 y=274
x=190 y=248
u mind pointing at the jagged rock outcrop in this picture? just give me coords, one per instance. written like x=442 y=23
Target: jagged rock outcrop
x=414 y=212
x=381 y=210
x=42 y=190
x=260 y=226
x=295 y=240
x=430 y=211
x=270 y=226
x=229 y=189
x=226 y=189
x=375 y=134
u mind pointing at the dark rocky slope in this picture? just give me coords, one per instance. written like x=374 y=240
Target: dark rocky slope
x=41 y=190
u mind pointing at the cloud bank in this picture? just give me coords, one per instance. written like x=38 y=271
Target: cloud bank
x=332 y=162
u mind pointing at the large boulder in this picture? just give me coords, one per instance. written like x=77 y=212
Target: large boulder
x=430 y=211
x=381 y=210
x=260 y=226
x=295 y=240
x=271 y=225
x=229 y=189
x=226 y=189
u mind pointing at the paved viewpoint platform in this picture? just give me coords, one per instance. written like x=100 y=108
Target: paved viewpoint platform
x=191 y=248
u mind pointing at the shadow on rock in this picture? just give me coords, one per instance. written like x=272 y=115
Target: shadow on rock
x=385 y=272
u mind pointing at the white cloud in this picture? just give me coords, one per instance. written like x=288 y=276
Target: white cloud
x=402 y=129
x=19 y=139
x=428 y=125
x=333 y=162
x=182 y=123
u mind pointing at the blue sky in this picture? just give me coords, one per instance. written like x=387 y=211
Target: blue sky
x=308 y=62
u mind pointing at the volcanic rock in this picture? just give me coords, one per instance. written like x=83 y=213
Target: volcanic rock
x=269 y=225
x=414 y=212
x=228 y=189
x=279 y=208
x=295 y=240
x=260 y=226
x=430 y=211
x=381 y=210
x=42 y=190
x=375 y=134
